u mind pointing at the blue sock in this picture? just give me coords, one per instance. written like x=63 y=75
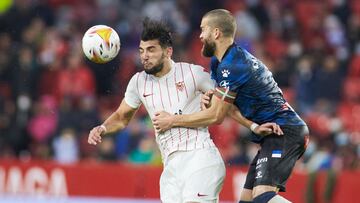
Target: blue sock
x=264 y=197
x=241 y=201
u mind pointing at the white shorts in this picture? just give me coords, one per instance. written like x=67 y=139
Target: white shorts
x=192 y=176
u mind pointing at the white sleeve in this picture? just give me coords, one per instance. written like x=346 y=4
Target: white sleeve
x=203 y=79
x=132 y=97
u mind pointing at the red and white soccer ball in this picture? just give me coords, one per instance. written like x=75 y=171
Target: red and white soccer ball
x=101 y=44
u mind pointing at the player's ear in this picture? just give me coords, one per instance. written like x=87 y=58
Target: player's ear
x=216 y=33
x=169 y=51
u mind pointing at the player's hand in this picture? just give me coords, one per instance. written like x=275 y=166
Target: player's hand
x=162 y=121
x=268 y=129
x=205 y=99
x=95 y=135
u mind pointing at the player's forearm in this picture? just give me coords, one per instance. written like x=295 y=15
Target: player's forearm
x=114 y=123
x=120 y=118
x=199 y=119
x=235 y=114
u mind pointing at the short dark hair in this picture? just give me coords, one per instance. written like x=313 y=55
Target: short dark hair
x=222 y=19
x=153 y=30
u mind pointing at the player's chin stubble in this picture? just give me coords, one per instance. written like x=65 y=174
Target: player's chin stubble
x=157 y=68
x=208 y=49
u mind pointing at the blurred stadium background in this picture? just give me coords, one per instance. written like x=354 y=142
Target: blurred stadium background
x=51 y=96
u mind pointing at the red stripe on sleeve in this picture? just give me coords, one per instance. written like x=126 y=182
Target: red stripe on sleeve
x=167 y=86
x=152 y=93
x=187 y=139
x=182 y=72
x=197 y=133
x=177 y=91
x=192 y=74
x=137 y=84
x=172 y=139
x=161 y=95
x=144 y=90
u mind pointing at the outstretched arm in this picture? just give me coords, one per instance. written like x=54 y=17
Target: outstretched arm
x=263 y=129
x=214 y=114
x=214 y=111
x=118 y=120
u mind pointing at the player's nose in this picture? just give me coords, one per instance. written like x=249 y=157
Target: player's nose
x=145 y=57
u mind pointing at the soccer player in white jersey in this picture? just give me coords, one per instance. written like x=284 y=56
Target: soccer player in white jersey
x=193 y=168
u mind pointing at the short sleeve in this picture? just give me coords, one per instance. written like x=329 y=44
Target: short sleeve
x=132 y=97
x=231 y=78
x=203 y=79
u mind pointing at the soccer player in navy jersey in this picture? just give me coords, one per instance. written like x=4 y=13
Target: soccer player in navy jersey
x=245 y=82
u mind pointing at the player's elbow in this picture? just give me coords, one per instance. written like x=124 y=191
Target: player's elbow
x=216 y=116
x=219 y=121
x=120 y=122
x=219 y=118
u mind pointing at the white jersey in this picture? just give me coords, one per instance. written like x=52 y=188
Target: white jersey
x=177 y=92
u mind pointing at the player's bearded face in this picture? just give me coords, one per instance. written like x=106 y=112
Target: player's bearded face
x=209 y=47
x=157 y=66
x=152 y=56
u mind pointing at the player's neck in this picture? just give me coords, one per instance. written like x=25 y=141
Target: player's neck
x=222 y=46
x=165 y=70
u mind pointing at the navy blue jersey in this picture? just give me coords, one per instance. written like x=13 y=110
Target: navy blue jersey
x=255 y=91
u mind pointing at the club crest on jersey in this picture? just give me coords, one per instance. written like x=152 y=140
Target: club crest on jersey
x=225 y=73
x=224 y=83
x=180 y=85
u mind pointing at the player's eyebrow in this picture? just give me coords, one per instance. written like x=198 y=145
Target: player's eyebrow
x=149 y=47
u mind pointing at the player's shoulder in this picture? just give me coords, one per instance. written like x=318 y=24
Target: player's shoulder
x=138 y=76
x=236 y=55
x=238 y=59
x=189 y=66
x=182 y=64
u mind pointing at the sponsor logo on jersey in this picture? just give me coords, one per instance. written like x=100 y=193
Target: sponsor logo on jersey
x=262 y=160
x=146 y=95
x=225 y=73
x=258 y=166
x=258 y=175
x=224 y=83
x=201 y=195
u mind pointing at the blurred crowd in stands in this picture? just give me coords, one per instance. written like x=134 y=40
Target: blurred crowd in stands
x=51 y=96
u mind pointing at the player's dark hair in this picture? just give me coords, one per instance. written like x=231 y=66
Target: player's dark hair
x=222 y=19
x=153 y=30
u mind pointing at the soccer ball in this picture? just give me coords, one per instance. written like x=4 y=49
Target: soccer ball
x=100 y=44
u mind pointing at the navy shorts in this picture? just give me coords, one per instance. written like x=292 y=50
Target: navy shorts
x=276 y=159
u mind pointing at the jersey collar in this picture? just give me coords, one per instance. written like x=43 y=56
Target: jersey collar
x=228 y=50
x=171 y=72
